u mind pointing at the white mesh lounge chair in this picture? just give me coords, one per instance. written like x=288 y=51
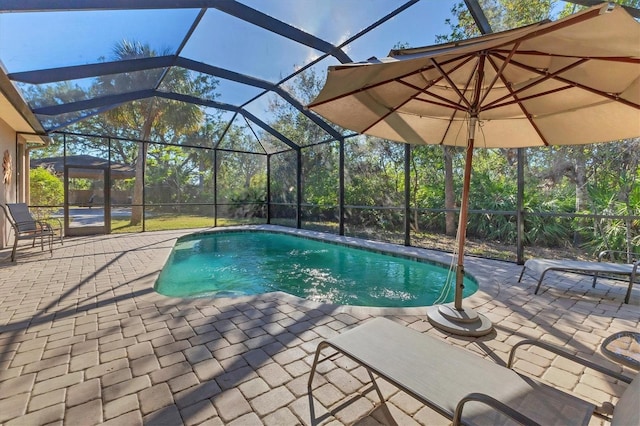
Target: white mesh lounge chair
x=539 y=268
x=26 y=227
x=464 y=386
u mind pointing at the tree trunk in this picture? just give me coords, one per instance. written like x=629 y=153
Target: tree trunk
x=138 y=185
x=416 y=187
x=449 y=192
x=582 y=197
x=201 y=168
x=141 y=162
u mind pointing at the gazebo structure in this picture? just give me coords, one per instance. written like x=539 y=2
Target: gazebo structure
x=84 y=166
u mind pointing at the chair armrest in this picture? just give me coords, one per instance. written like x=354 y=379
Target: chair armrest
x=493 y=403
x=39 y=225
x=51 y=223
x=43 y=225
x=561 y=352
x=628 y=257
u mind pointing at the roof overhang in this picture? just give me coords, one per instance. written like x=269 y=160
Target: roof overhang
x=17 y=114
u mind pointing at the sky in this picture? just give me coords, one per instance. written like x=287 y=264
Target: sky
x=30 y=41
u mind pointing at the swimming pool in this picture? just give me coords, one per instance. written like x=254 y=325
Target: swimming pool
x=248 y=263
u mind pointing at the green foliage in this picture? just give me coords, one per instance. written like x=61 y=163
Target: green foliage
x=249 y=202
x=570 y=8
x=544 y=229
x=45 y=189
x=283 y=179
x=501 y=15
x=155 y=118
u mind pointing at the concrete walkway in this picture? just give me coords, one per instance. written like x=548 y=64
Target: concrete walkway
x=85 y=340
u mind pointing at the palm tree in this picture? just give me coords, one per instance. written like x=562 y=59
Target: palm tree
x=153 y=116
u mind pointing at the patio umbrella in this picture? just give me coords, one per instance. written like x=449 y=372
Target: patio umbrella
x=571 y=81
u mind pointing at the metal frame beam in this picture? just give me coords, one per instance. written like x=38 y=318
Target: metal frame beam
x=230 y=7
x=143 y=94
x=219 y=105
x=98 y=102
x=273 y=25
x=61 y=5
x=52 y=75
x=194 y=100
x=228 y=107
x=255 y=82
x=478 y=16
x=269 y=129
x=106 y=68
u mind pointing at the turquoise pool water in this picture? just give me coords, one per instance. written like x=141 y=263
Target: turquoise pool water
x=249 y=263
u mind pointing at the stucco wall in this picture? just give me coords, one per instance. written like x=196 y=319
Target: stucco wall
x=7 y=191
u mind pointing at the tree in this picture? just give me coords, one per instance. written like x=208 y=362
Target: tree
x=155 y=116
x=319 y=170
x=241 y=171
x=45 y=189
x=502 y=15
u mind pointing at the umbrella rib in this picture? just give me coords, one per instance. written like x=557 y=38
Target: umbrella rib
x=445 y=105
x=450 y=121
x=453 y=85
x=554 y=26
x=613 y=97
x=545 y=77
x=522 y=107
x=383 y=117
x=446 y=102
x=623 y=59
x=413 y=97
x=364 y=89
x=505 y=62
x=493 y=105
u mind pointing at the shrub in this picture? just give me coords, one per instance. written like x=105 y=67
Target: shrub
x=46 y=191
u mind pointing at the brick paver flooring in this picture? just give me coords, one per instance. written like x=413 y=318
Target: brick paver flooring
x=86 y=340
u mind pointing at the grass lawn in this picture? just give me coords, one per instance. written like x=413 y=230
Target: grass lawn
x=172 y=221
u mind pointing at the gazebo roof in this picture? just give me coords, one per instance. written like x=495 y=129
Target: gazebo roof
x=85 y=166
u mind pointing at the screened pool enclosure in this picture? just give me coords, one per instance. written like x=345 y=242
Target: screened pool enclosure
x=194 y=115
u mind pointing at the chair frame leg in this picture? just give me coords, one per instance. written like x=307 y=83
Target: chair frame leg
x=15 y=248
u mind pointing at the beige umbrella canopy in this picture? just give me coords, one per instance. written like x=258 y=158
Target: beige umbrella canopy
x=571 y=81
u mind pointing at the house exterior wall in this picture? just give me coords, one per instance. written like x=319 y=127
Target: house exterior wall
x=8 y=189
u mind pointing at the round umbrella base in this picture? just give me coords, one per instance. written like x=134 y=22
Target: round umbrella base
x=465 y=322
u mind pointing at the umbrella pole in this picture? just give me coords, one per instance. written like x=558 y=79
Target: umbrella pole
x=454 y=318
x=462 y=222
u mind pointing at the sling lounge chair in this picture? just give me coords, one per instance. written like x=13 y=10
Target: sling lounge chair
x=540 y=267
x=465 y=387
x=26 y=227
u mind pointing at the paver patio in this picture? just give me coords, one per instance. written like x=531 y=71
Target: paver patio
x=86 y=340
